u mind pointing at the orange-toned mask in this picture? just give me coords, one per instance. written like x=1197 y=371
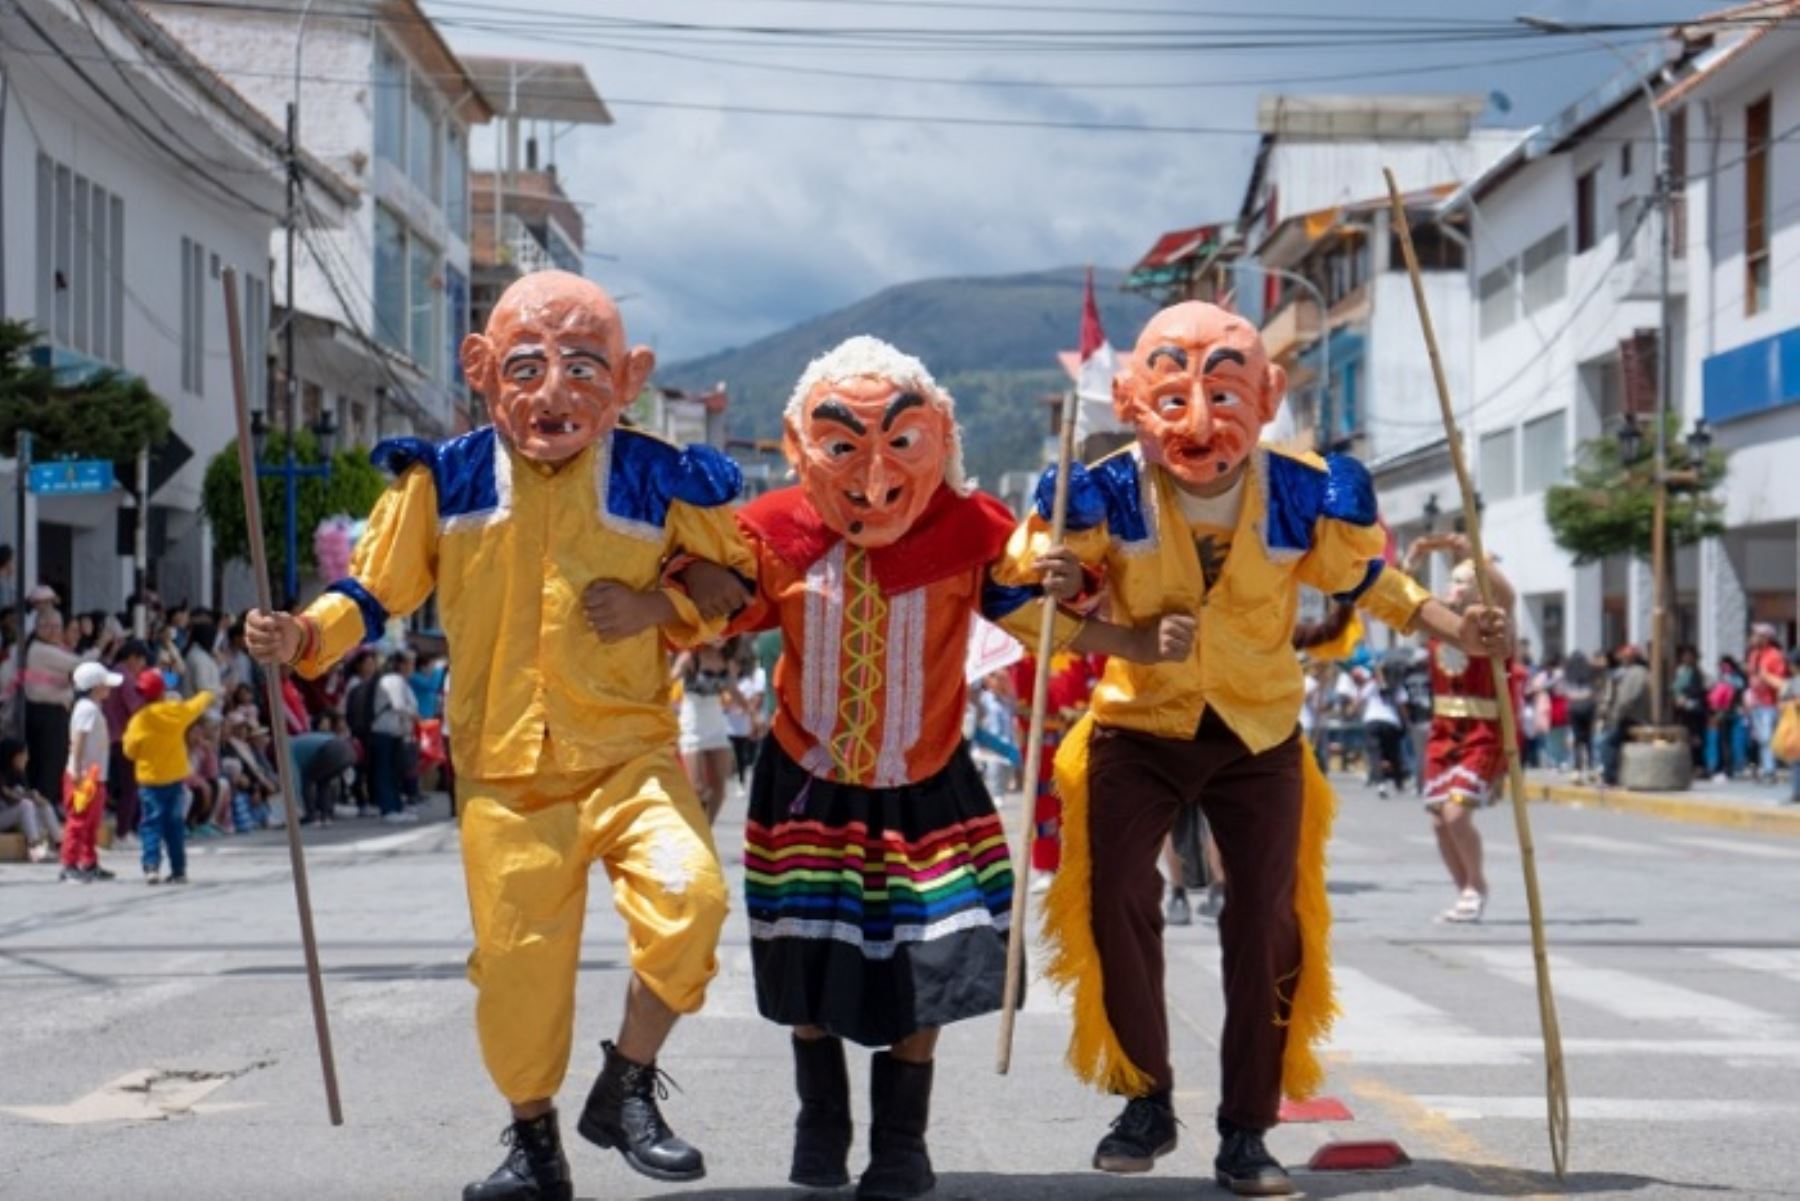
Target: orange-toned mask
x=1198 y=389
x=554 y=366
x=871 y=451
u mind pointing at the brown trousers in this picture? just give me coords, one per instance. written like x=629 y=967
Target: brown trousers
x=1137 y=783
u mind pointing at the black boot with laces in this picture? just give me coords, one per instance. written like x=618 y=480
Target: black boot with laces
x=1245 y=1166
x=1140 y=1136
x=621 y=1114
x=535 y=1168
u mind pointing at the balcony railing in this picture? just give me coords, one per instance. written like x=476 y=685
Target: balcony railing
x=520 y=247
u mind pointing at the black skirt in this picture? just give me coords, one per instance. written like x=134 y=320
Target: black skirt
x=875 y=912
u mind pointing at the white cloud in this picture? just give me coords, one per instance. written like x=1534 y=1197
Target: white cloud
x=731 y=226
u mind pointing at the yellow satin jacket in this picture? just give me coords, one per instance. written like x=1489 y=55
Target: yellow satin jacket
x=1304 y=520
x=510 y=544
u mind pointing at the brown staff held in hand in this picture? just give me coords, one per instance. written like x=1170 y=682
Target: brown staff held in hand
x=272 y=676
x=1557 y=1090
x=1034 y=750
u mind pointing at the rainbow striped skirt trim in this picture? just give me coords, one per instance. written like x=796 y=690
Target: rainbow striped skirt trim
x=875 y=912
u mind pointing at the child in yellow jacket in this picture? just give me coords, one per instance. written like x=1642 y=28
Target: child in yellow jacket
x=156 y=744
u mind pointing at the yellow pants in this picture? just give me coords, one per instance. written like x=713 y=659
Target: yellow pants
x=527 y=846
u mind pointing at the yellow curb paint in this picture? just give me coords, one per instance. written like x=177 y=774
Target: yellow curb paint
x=1699 y=813
x=1450 y=1140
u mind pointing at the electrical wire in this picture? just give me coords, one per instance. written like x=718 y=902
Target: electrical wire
x=124 y=114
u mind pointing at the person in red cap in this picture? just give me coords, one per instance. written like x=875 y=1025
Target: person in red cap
x=156 y=744
x=84 y=775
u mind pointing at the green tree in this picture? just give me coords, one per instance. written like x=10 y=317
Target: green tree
x=107 y=415
x=353 y=487
x=1610 y=506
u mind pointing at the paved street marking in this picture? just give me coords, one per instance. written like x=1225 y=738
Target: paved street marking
x=1635 y=997
x=1731 y=846
x=1447 y=1139
x=1613 y=846
x=1380 y=1024
x=1607 y=1109
x=1781 y=963
x=144 y=1095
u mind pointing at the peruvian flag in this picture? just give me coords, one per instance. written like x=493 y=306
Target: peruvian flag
x=1093 y=389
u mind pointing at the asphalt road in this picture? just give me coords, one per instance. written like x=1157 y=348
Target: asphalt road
x=158 y=1044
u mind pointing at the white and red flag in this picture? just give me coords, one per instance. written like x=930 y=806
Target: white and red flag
x=1093 y=386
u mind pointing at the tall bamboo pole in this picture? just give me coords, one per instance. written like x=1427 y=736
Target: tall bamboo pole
x=1556 y=1085
x=1034 y=750
x=272 y=677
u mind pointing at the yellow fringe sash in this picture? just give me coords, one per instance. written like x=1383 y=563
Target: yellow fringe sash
x=1074 y=961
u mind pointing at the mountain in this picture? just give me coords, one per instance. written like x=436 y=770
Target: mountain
x=990 y=340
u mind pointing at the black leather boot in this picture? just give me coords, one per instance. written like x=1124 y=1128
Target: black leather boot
x=535 y=1168
x=822 y=1131
x=621 y=1115
x=1245 y=1166
x=899 y=1163
x=1140 y=1136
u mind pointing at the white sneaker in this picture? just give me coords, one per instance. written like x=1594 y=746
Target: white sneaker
x=1468 y=908
x=404 y=817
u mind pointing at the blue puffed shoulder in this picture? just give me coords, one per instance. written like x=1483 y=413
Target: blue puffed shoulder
x=646 y=474
x=1087 y=505
x=395 y=455
x=1110 y=491
x=1296 y=498
x=1001 y=600
x=706 y=477
x=1349 y=492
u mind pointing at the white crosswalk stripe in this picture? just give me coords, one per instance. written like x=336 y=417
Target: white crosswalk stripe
x=1605 y=1109
x=1783 y=963
x=1611 y=846
x=1636 y=997
x=1750 y=850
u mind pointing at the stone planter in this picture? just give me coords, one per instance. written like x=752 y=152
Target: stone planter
x=1657 y=759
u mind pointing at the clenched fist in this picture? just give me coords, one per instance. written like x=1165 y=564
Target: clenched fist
x=617 y=611
x=1175 y=637
x=1060 y=572
x=272 y=637
x=716 y=591
x=1485 y=632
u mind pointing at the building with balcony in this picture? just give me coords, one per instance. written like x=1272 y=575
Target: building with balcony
x=523 y=220
x=124 y=153
x=1564 y=273
x=1739 y=241
x=381 y=304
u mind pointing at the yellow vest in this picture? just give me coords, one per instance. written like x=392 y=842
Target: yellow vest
x=1304 y=520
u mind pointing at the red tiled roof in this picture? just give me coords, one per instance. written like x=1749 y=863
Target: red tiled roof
x=1176 y=245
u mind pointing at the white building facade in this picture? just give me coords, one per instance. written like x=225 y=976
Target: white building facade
x=383 y=301
x=1740 y=114
x=130 y=177
x=1567 y=314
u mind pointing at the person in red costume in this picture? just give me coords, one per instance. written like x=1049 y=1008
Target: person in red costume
x=876 y=875
x=1464 y=753
x=1071 y=684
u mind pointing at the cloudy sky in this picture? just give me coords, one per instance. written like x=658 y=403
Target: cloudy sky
x=723 y=224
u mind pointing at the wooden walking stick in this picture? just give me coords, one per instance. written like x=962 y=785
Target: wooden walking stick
x=1556 y=1086
x=272 y=677
x=1034 y=751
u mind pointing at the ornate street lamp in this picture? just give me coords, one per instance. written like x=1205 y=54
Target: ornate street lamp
x=1631 y=439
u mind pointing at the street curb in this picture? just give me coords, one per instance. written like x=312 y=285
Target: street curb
x=1756 y=818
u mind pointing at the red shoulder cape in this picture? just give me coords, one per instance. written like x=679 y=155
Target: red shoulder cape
x=953 y=534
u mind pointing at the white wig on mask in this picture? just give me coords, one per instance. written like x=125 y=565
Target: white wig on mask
x=865 y=356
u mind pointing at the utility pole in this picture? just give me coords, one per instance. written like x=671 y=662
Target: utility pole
x=20 y=560
x=140 y=618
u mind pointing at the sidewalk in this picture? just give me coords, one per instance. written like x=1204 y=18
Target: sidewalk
x=1738 y=804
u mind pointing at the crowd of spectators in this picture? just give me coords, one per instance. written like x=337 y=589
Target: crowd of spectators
x=360 y=737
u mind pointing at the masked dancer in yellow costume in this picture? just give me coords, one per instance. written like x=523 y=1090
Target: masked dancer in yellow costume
x=1197 y=518
x=565 y=739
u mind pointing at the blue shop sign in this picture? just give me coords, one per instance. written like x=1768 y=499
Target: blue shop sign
x=71 y=476
x=1754 y=378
